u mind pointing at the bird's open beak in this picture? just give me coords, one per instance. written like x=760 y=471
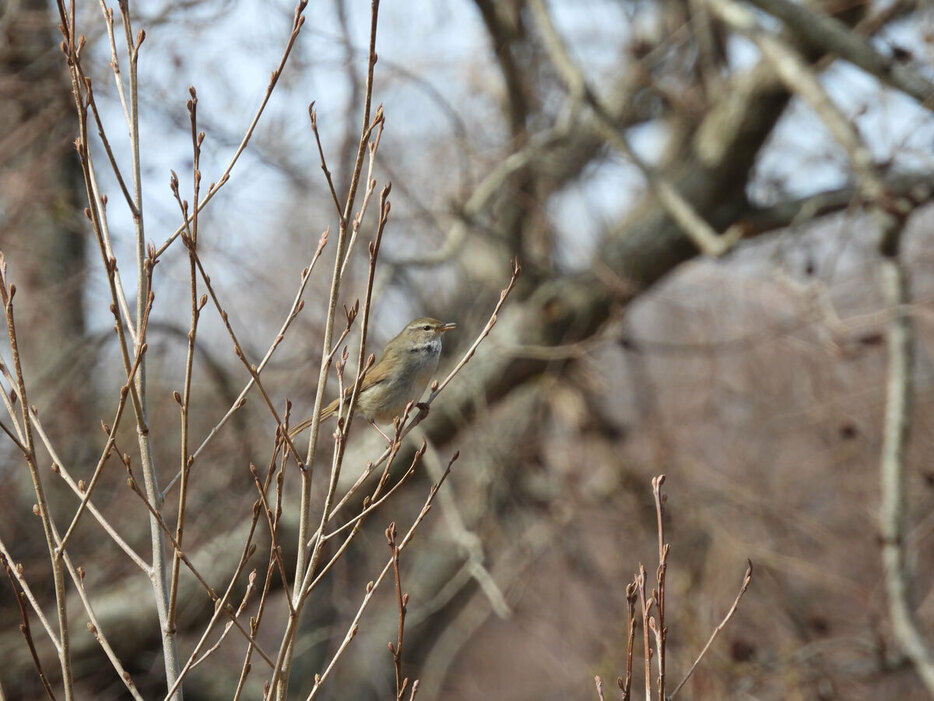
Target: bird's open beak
x=448 y=326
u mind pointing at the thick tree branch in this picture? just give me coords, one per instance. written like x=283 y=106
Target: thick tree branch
x=825 y=33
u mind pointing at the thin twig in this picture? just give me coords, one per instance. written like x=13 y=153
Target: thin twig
x=273 y=555
x=646 y=603
x=625 y=686
x=7 y=292
x=253 y=370
x=660 y=630
x=59 y=468
x=297 y=306
x=372 y=147
x=132 y=484
x=346 y=420
x=13 y=438
x=275 y=550
x=374 y=585
x=30 y=597
x=94 y=627
x=599 y=684
x=184 y=400
x=747 y=578
x=298 y=20
x=372 y=503
x=108 y=447
x=469 y=541
x=402 y=601
x=306 y=561
x=24 y=628
x=251 y=585
x=313 y=117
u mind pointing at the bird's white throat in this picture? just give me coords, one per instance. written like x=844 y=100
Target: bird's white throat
x=430 y=348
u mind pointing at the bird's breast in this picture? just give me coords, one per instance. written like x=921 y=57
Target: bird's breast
x=388 y=399
x=422 y=361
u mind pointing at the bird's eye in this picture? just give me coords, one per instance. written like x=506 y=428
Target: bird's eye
x=426 y=327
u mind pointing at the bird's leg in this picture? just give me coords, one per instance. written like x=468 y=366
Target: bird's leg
x=390 y=440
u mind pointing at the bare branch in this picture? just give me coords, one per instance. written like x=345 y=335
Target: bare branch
x=830 y=35
x=896 y=429
x=747 y=579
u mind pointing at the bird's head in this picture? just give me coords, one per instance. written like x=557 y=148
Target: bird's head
x=425 y=330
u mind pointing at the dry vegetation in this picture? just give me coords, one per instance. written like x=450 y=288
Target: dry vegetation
x=719 y=209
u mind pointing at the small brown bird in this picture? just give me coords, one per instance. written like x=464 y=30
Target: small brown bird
x=399 y=376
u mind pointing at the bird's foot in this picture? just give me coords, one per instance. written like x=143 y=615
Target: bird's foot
x=388 y=439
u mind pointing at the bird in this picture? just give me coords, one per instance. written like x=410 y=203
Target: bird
x=399 y=376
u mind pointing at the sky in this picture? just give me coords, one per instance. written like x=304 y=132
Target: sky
x=438 y=84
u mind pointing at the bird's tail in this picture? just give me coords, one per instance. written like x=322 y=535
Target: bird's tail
x=305 y=424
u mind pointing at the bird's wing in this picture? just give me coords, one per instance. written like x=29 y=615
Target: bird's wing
x=370 y=379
